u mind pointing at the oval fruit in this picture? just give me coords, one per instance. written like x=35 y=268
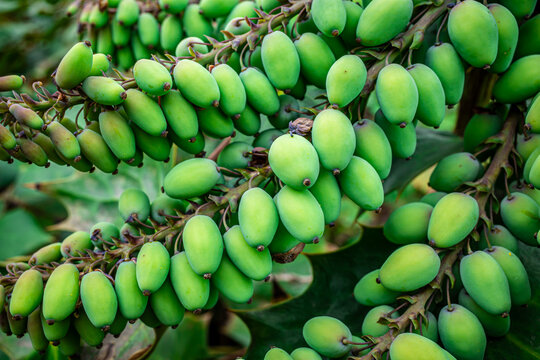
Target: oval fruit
x=397 y=94
x=410 y=267
x=76 y=244
x=521 y=215
x=152 y=77
x=455 y=170
x=486 y=282
x=461 y=333
x=255 y=264
x=329 y=16
x=431 y=101
x=117 y=134
x=166 y=306
x=232 y=91
x=191 y=178
x=104 y=90
x=473 y=31
x=98 y=299
x=75 y=66
x=373 y=146
x=371 y=325
x=370 y=292
x=231 y=283
x=131 y=301
x=196 y=84
x=452 y=219
x=280 y=59
x=333 y=137
x=192 y=289
x=361 y=183
x=26 y=294
x=301 y=214
x=494 y=325
x=258 y=218
x=294 y=160
x=345 y=80
x=381 y=20
x=180 y=115
x=326 y=334
x=446 y=63
x=408 y=224
x=326 y=191
x=61 y=293
x=260 y=93
x=408 y=346
x=134 y=205
x=516 y=274
x=203 y=245
x=144 y=112
x=152 y=268
x=316 y=58
x=508 y=37
x=520 y=82
x=96 y=151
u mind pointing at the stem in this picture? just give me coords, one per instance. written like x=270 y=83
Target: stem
x=222 y=145
x=477 y=93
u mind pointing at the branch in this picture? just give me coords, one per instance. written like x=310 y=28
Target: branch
x=486 y=184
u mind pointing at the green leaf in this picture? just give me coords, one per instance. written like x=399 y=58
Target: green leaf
x=186 y=342
x=21 y=234
x=295 y=277
x=90 y=198
x=133 y=340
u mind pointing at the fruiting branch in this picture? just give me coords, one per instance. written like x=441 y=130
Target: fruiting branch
x=484 y=187
x=166 y=233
